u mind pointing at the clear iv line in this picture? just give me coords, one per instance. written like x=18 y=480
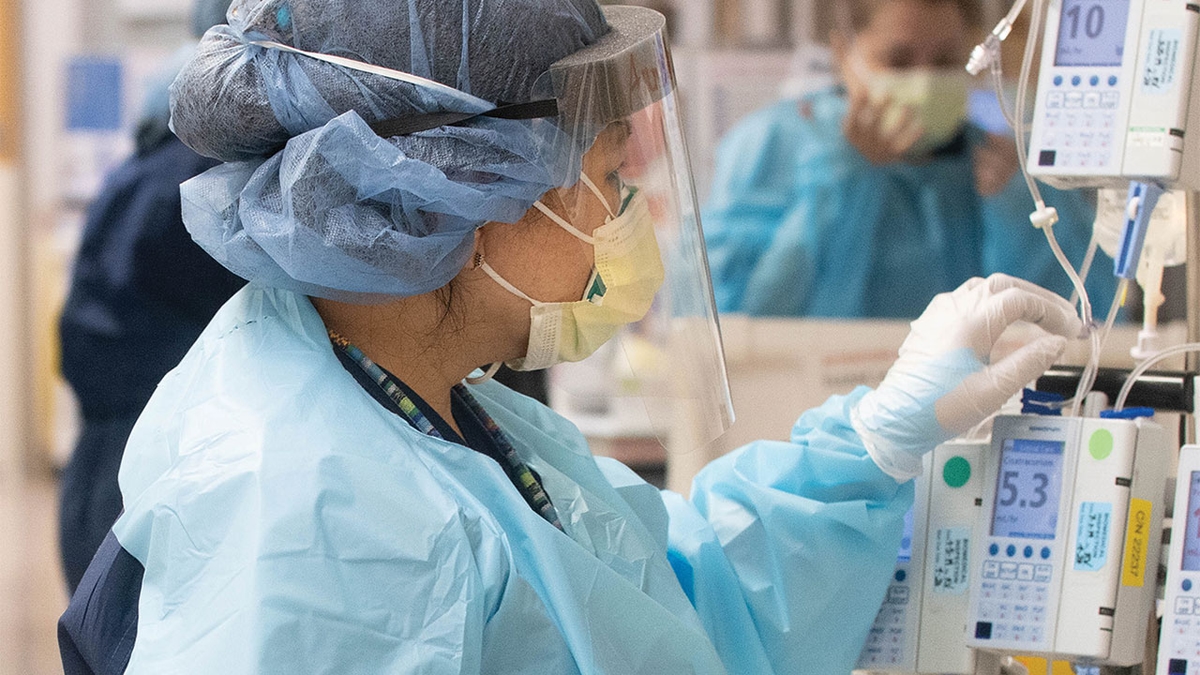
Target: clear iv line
x=1043 y=217
x=1147 y=365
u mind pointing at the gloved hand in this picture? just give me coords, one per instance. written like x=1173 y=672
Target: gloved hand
x=943 y=384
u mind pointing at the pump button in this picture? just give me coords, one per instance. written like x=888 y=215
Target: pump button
x=1187 y=584
x=1112 y=80
x=1076 y=80
x=1058 y=80
x=1184 y=605
x=1011 y=550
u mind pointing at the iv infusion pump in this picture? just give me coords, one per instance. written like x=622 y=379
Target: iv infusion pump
x=1179 y=649
x=921 y=624
x=1042 y=541
x=1069 y=539
x=1116 y=101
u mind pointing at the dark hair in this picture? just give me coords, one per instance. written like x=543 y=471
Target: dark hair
x=853 y=16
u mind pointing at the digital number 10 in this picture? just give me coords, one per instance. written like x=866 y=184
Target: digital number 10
x=1093 y=23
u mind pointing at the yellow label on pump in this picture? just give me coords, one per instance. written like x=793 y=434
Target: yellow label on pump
x=1137 y=543
x=1037 y=665
x=1034 y=664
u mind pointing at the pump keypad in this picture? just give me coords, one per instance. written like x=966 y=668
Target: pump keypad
x=885 y=642
x=1079 y=124
x=1012 y=603
x=1184 y=625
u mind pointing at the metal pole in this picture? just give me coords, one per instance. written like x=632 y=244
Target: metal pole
x=1193 y=296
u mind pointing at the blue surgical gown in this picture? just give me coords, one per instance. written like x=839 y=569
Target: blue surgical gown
x=799 y=223
x=286 y=522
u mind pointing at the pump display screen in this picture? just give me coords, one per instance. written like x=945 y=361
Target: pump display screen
x=1191 y=538
x=1028 y=488
x=1092 y=33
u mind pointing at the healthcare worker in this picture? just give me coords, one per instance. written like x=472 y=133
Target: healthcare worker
x=329 y=483
x=866 y=199
x=140 y=294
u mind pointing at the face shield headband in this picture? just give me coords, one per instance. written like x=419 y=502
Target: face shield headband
x=610 y=80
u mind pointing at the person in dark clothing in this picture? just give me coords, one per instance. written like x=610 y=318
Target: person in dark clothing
x=141 y=292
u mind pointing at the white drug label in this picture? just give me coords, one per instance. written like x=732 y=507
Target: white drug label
x=951 y=564
x=1162 y=61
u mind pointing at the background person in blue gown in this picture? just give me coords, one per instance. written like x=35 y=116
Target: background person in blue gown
x=867 y=199
x=141 y=292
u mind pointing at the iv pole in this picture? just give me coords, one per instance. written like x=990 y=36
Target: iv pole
x=1193 y=301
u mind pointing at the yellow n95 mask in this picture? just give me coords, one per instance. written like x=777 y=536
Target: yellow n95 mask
x=627 y=275
x=937 y=97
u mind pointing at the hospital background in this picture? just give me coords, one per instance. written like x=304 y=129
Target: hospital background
x=72 y=77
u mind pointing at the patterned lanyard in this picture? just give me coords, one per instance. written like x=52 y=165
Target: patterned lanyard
x=531 y=489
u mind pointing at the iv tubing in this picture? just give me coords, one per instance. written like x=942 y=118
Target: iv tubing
x=998 y=85
x=1098 y=339
x=1086 y=268
x=1085 y=305
x=1147 y=365
x=1035 y=28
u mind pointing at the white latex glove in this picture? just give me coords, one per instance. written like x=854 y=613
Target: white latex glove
x=943 y=384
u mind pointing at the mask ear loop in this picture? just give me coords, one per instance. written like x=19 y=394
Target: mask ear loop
x=487 y=269
x=561 y=222
x=491 y=372
x=596 y=191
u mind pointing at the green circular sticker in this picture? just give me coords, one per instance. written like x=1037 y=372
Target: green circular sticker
x=957 y=472
x=1101 y=444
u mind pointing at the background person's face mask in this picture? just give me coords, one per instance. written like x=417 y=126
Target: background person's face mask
x=937 y=97
x=627 y=275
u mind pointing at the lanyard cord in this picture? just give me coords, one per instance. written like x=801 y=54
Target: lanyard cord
x=519 y=472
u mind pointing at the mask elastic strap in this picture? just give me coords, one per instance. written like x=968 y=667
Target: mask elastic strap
x=596 y=191
x=415 y=80
x=487 y=269
x=489 y=374
x=561 y=222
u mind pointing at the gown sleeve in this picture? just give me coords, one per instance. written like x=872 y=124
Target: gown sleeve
x=786 y=548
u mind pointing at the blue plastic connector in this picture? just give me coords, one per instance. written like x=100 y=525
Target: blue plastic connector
x=1143 y=197
x=1035 y=402
x=1127 y=414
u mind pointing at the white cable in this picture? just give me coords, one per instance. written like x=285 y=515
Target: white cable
x=1147 y=365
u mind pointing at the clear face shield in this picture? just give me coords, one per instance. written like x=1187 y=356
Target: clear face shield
x=663 y=372
x=603 y=134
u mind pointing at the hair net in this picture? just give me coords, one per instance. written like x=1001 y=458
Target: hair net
x=312 y=199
